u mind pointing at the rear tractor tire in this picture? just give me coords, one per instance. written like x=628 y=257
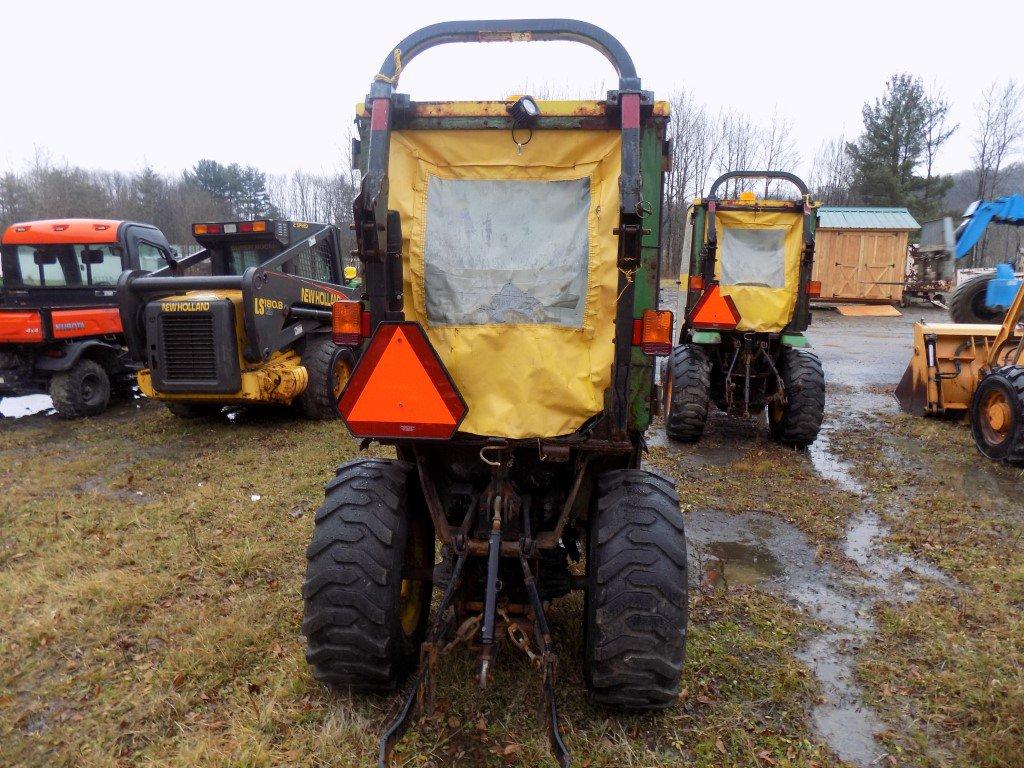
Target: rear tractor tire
x=798 y=422
x=967 y=302
x=328 y=367
x=84 y=390
x=636 y=602
x=363 y=622
x=997 y=415
x=688 y=393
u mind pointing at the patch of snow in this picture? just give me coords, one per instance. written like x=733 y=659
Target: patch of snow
x=27 y=405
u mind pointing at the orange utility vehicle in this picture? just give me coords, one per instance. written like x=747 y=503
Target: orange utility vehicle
x=60 y=331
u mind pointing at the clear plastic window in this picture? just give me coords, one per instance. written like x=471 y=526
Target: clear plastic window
x=506 y=251
x=753 y=257
x=150 y=258
x=98 y=264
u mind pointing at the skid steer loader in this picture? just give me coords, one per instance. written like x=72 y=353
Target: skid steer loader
x=960 y=368
x=744 y=300
x=510 y=253
x=244 y=321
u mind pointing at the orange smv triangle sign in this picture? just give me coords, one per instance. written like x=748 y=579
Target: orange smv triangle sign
x=400 y=388
x=714 y=309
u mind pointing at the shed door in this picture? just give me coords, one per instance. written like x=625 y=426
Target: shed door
x=846 y=267
x=878 y=273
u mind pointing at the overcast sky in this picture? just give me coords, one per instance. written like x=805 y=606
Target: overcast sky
x=273 y=84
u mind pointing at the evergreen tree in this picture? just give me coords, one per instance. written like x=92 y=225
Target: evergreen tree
x=890 y=149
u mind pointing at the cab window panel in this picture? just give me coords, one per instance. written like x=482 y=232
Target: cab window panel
x=49 y=273
x=754 y=257
x=313 y=263
x=150 y=258
x=241 y=256
x=104 y=267
x=506 y=251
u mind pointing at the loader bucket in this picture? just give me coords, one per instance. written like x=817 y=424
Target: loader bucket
x=945 y=368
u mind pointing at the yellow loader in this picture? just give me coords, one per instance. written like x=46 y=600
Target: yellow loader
x=972 y=368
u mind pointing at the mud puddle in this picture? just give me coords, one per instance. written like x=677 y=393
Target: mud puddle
x=760 y=549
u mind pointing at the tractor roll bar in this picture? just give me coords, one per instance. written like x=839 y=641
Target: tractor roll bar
x=793 y=179
x=511 y=30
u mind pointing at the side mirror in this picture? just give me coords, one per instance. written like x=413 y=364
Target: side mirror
x=43 y=258
x=92 y=255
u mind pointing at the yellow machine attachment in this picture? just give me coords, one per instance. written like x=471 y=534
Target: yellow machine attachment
x=279 y=380
x=975 y=369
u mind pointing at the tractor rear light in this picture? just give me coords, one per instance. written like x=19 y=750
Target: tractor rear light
x=347 y=322
x=400 y=388
x=715 y=310
x=656 y=332
x=198 y=229
x=696 y=283
x=366 y=324
x=207 y=229
x=259 y=226
x=245 y=226
x=230 y=229
x=814 y=289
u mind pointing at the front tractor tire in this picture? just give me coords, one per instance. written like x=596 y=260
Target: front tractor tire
x=688 y=393
x=967 y=302
x=363 y=622
x=797 y=422
x=328 y=367
x=83 y=390
x=997 y=415
x=636 y=604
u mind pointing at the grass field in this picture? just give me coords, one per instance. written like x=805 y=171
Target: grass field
x=150 y=610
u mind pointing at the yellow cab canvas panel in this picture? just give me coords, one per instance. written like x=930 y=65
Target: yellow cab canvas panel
x=758 y=265
x=510 y=266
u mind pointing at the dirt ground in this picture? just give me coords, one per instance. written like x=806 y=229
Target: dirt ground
x=857 y=604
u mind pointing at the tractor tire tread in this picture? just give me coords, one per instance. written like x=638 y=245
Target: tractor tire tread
x=353 y=578
x=64 y=390
x=690 y=380
x=1014 y=375
x=804 y=380
x=637 y=596
x=317 y=400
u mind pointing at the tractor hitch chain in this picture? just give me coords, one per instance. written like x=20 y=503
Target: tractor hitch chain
x=442 y=637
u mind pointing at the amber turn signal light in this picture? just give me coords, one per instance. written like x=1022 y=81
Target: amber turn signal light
x=696 y=283
x=814 y=289
x=347 y=322
x=655 y=332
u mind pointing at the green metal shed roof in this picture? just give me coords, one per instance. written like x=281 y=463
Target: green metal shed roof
x=842 y=217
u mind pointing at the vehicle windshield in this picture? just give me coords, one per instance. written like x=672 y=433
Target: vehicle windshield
x=64 y=265
x=242 y=255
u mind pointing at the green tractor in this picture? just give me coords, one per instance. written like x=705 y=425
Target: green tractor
x=745 y=305
x=510 y=252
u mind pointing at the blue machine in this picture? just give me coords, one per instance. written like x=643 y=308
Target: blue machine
x=1006 y=210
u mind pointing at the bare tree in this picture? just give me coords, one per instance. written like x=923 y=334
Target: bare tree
x=998 y=134
x=737 y=147
x=777 y=151
x=831 y=177
x=937 y=132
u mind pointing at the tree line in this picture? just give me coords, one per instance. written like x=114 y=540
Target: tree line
x=209 y=191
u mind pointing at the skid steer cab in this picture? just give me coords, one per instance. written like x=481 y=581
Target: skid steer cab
x=244 y=321
x=60 y=332
x=510 y=252
x=744 y=302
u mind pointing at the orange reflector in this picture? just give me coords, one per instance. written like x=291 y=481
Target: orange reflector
x=814 y=289
x=347 y=322
x=715 y=310
x=198 y=229
x=656 y=332
x=696 y=283
x=400 y=388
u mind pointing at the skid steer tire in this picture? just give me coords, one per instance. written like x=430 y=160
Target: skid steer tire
x=328 y=367
x=798 y=421
x=688 y=393
x=363 y=623
x=84 y=390
x=636 y=602
x=997 y=415
x=967 y=302
x=193 y=410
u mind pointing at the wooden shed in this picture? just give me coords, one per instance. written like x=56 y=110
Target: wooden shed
x=861 y=253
